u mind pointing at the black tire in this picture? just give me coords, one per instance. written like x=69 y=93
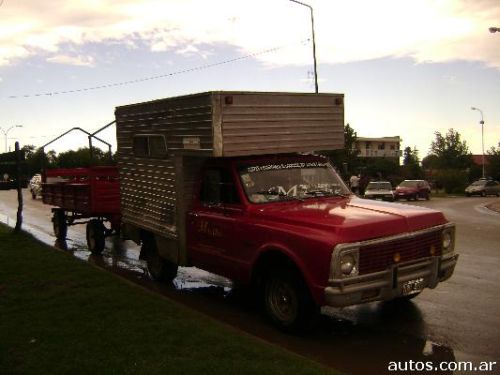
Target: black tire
x=96 y=234
x=59 y=225
x=287 y=301
x=33 y=195
x=159 y=268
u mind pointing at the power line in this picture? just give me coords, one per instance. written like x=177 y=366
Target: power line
x=139 y=80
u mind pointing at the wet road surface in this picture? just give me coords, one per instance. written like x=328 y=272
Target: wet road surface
x=458 y=321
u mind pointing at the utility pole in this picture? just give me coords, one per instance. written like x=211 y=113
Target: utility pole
x=314 y=43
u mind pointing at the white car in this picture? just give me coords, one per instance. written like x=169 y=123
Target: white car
x=36 y=186
x=379 y=190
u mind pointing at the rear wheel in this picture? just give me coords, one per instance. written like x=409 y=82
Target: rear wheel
x=59 y=224
x=96 y=234
x=287 y=301
x=159 y=268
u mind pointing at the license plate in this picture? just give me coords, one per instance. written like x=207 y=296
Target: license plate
x=412 y=287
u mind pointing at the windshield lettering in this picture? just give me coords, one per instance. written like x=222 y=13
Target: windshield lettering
x=291 y=180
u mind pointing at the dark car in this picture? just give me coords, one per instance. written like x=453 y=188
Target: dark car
x=413 y=189
x=483 y=187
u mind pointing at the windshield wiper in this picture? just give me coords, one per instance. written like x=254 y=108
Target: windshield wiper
x=281 y=195
x=326 y=193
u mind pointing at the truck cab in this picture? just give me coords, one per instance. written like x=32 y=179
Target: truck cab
x=289 y=226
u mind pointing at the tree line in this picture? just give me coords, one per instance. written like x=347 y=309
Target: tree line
x=36 y=158
x=448 y=165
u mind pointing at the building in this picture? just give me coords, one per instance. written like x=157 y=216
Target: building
x=385 y=147
x=478 y=160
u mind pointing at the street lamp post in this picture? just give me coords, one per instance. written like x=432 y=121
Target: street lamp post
x=314 y=43
x=482 y=133
x=5 y=132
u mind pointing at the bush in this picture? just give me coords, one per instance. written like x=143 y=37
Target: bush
x=453 y=181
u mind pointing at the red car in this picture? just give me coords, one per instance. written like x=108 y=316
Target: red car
x=413 y=189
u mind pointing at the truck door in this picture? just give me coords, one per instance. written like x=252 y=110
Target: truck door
x=213 y=230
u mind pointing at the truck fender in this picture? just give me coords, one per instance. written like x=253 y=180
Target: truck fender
x=277 y=254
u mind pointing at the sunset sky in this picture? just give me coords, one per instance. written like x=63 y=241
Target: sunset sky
x=406 y=67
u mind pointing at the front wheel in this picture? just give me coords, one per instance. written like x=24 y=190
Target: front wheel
x=96 y=234
x=287 y=301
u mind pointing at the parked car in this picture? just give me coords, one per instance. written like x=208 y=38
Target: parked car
x=413 y=189
x=36 y=186
x=379 y=190
x=483 y=187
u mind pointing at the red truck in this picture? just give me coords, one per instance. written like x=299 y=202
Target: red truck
x=230 y=182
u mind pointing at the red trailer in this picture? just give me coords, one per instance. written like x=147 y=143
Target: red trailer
x=84 y=195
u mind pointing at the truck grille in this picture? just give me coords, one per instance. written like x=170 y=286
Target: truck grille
x=379 y=256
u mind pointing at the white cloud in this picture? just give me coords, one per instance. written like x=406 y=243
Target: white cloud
x=426 y=30
x=72 y=60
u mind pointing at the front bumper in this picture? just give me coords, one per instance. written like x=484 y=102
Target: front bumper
x=388 y=284
x=388 y=197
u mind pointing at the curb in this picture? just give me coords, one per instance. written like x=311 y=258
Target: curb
x=494 y=207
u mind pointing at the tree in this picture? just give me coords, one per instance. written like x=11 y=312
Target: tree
x=450 y=151
x=81 y=158
x=411 y=169
x=430 y=162
x=35 y=159
x=346 y=160
x=410 y=156
x=493 y=167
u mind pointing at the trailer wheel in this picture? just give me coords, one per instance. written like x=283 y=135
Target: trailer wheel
x=159 y=268
x=287 y=301
x=96 y=233
x=59 y=224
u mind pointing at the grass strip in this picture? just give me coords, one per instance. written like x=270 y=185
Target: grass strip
x=59 y=315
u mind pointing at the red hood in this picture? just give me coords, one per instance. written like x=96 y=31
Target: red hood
x=353 y=219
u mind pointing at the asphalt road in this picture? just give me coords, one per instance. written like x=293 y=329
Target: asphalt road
x=458 y=321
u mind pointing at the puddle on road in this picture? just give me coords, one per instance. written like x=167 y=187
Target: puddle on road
x=356 y=340
x=124 y=255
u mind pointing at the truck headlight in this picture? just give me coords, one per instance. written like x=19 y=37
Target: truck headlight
x=349 y=263
x=448 y=240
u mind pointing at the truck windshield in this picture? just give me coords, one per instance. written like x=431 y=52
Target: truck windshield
x=272 y=182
